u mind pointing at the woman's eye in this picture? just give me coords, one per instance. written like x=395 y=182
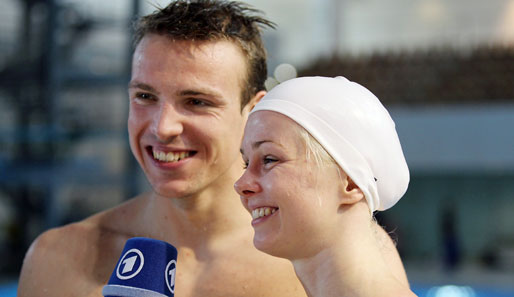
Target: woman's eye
x=268 y=160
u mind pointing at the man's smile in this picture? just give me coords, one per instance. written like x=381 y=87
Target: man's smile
x=169 y=157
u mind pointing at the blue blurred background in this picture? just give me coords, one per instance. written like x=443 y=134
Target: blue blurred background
x=444 y=69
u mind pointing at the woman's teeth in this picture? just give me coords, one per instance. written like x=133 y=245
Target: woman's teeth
x=170 y=157
x=262 y=212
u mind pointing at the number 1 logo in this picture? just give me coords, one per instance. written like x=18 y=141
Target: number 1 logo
x=129 y=263
x=169 y=275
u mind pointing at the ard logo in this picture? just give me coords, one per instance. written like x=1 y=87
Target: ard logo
x=130 y=264
x=169 y=274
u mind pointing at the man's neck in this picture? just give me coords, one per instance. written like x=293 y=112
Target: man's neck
x=196 y=219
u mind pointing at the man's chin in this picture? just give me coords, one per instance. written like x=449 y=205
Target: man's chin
x=171 y=191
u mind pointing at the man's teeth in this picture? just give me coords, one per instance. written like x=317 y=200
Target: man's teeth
x=262 y=212
x=169 y=157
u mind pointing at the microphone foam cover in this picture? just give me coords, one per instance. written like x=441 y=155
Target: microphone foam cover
x=146 y=268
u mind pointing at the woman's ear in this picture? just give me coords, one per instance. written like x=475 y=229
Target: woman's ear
x=351 y=192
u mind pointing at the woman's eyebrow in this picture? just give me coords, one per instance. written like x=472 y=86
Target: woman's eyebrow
x=256 y=144
x=259 y=143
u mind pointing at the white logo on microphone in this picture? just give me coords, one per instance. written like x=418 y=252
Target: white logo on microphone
x=132 y=262
x=169 y=275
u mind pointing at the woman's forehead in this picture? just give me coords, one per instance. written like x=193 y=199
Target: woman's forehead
x=271 y=118
x=270 y=125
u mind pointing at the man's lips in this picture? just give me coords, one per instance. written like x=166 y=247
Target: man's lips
x=169 y=156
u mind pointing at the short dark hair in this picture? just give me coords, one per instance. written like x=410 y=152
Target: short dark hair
x=213 y=20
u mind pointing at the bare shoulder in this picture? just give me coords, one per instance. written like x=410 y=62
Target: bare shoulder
x=73 y=259
x=53 y=259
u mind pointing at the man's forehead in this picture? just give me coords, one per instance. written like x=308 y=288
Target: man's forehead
x=199 y=63
x=190 y=48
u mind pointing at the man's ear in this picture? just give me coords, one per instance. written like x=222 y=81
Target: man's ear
x=255 y=99
x=351 y=192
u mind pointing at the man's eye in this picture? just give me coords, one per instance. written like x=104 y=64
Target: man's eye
x=144 y=97
x=245 y=164
x=197 y=102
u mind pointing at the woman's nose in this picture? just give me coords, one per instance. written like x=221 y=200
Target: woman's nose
x=247 y=185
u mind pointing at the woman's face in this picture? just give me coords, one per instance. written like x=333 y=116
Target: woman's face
x=293 y=201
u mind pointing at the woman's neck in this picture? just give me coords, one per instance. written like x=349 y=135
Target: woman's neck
x=352 y=266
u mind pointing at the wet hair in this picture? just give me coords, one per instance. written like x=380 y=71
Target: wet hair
x=214 y=20
x=314 y=150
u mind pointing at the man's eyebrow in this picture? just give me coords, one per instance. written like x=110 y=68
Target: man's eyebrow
x=183 y=93
x=191 y=93
x=200 y=92
x=142 y=86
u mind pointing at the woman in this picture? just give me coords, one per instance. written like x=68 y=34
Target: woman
x=322 y=154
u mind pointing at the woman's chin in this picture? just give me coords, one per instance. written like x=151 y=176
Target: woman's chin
x=270 y=247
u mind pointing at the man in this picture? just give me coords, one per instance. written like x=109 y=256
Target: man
x=198 y=69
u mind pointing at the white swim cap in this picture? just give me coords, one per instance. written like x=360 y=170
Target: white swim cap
x=353 y=126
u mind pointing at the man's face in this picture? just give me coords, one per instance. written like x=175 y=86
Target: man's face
x=185 y=122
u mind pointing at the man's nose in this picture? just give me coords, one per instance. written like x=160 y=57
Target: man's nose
x=167 y=123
